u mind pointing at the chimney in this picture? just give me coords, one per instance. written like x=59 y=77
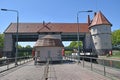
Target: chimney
x=94 y=14
x=89 y=20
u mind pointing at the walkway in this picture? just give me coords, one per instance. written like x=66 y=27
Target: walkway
x=64 y=71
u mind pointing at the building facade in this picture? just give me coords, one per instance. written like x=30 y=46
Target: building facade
x=100 y=29
x=49 y=48
x=95 y=34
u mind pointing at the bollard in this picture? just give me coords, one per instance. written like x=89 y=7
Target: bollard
x=24 y=59
x=83 y=62
x=7 y=61
x=46 y=70
x=104 y=67
x=20 y=61
x=91 y=63
x=35 y=61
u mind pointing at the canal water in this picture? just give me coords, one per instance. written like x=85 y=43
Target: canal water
x=110 y=63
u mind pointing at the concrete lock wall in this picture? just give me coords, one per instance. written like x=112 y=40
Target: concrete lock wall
x=87 y=43
x=8 y=45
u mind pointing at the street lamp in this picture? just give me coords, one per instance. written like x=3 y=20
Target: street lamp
x=16 y=54
x=78 y=30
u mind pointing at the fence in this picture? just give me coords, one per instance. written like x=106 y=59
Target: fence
x=8 y=63
x=107 y=67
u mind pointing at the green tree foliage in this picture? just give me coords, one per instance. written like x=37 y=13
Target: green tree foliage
x=116 y=37
x=74 y=44
x=24 y=51
x=1 y=40
x=20 y=47
x=28 y=46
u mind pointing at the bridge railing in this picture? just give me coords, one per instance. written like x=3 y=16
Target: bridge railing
x=105 y=66
x=8 y=63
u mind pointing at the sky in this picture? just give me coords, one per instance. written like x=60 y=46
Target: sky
x=59 y=11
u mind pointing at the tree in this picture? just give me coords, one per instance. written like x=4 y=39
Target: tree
x=80 y=44
x=24 y=51
x=1 y=40
x=20 y=47
x=116 y=37
x=28 y=46
x=74 y=44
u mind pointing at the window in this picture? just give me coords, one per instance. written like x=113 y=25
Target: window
x=95 y=43
x=93 y=30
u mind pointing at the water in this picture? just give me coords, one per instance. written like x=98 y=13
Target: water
x=110 y=63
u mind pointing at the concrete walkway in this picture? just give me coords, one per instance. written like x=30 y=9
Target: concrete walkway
x=64 y=71
x=12 y=65
x=73 y=72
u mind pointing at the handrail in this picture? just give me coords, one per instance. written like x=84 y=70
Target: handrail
x=8 y=63
x=100 y=65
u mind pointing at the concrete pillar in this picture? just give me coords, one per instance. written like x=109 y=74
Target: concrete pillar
x=87 y=43
x=8 y=45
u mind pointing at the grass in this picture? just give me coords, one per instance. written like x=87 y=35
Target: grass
x=116 y=54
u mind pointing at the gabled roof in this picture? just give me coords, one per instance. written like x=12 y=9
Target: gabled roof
x=48 y=41
x=53 y=27
x=99 y=19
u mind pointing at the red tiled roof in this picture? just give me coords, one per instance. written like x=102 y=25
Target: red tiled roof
x=54 y=27
x=99 y=19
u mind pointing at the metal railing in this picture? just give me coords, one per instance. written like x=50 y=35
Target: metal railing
x=107 y=67
x=46 y=70
x=9 y=63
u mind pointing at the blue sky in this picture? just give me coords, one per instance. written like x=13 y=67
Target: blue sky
x=65 y=11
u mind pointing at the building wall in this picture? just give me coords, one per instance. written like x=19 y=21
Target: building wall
x=8 y=45
x=101 y=36
x=43 y=53
x=1 y=52
x=87 y=41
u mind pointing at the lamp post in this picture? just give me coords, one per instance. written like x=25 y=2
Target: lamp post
x=78 y=39
x=16 y=53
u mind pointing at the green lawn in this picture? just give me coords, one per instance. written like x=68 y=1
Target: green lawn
x=116 y=54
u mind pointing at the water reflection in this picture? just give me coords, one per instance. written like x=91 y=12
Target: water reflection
x=110 y=63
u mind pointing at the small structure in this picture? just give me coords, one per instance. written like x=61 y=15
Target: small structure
x=100 y=29
x=48 y=48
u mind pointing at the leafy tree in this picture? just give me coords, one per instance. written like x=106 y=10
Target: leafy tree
x=1 y=40
x=80 y=44
x=74 y=44
x=20 y=47
x=116 y=37
x=28 y=46
x=68 y=52
x=24 y=51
